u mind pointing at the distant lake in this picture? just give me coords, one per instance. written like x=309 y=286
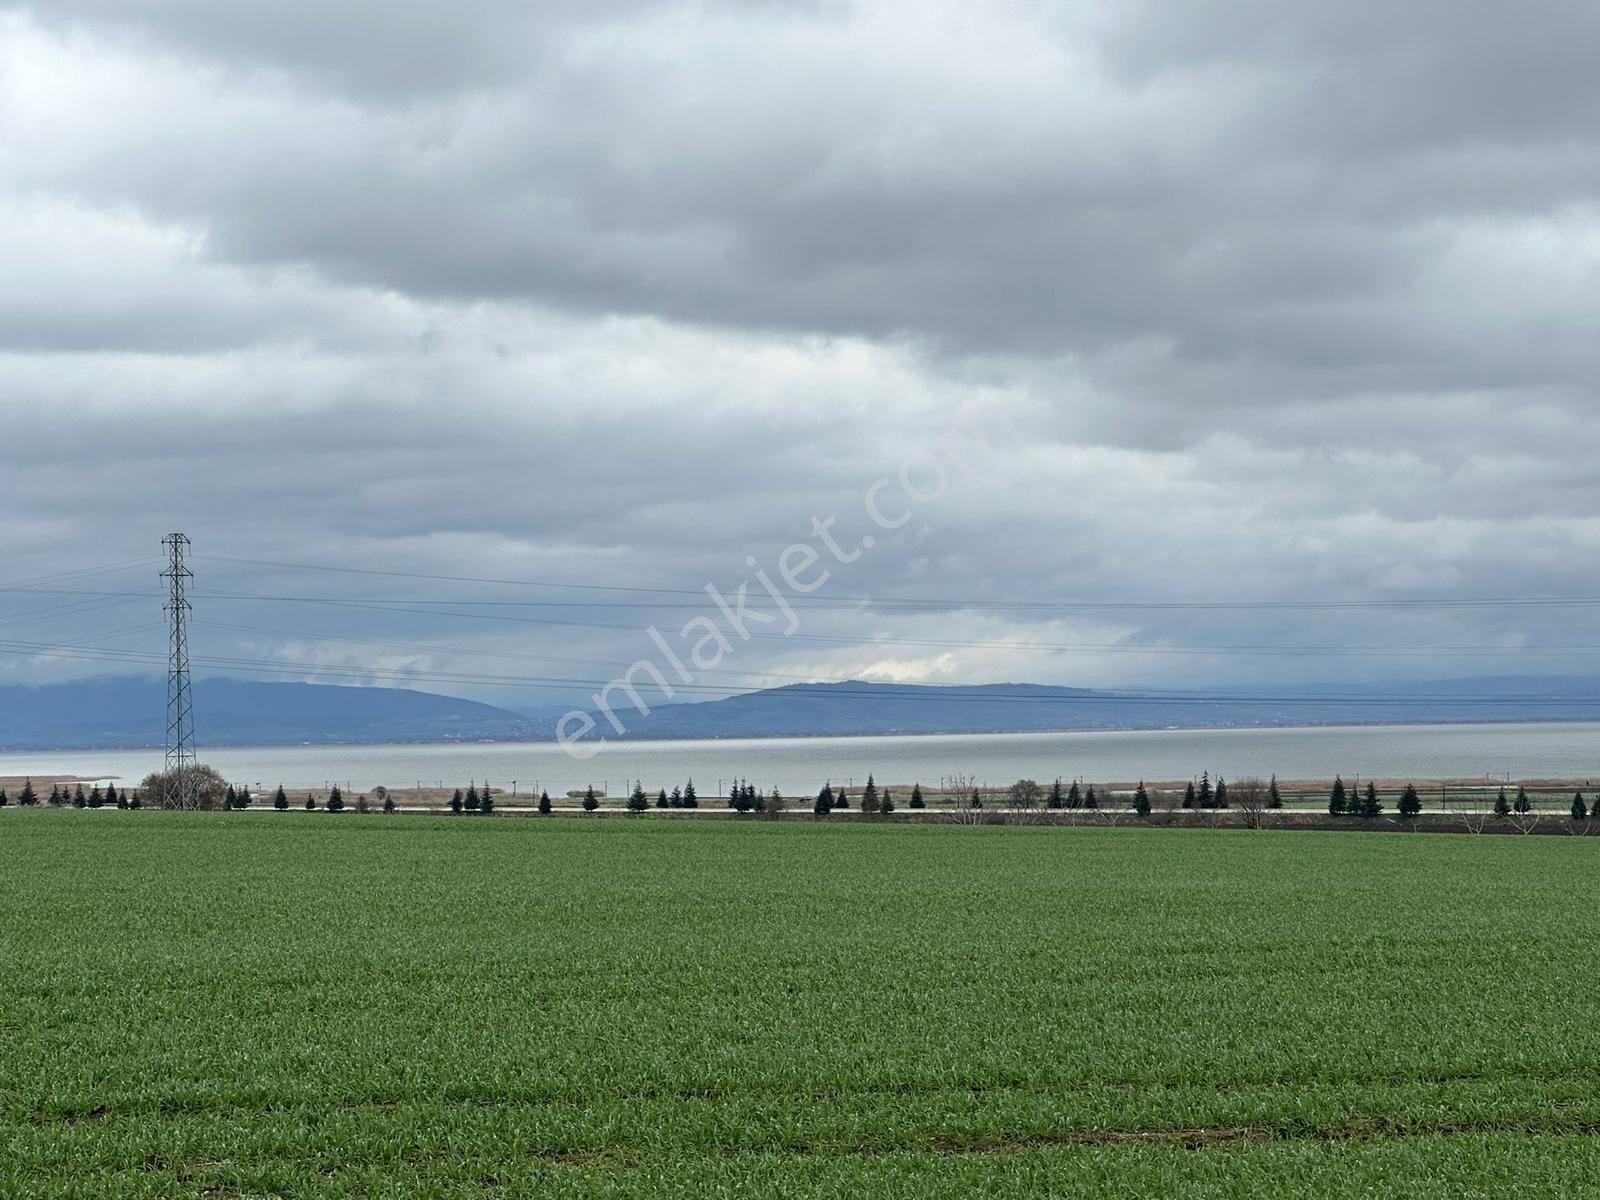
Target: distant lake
x=799 y=766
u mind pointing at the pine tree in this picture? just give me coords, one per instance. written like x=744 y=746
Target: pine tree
x=663 y=802
x=280 y=799
x=758 y=799
x=869 y=796
x=1188 y=795
x=842 y=800
x=1089 y=798
x=824 y=803
x=97 y=798
x=1141 y=801
x=79 y=800
x=388 y=803
x=1523 y=804
x=55 y=795
x=111 y=796
x=310 y=804
x=1207 y=798
x=1057 y=797
x=1370 y=805
x=1222 y=792
x=488 y=800
x=690 y=799
x=886 y=802
x=4 y=799
x=472 y=796
x=916 y=796
x=1338 y=804
x=245 y=798
x=231 y=800
x=1580 y=810
x=1502 y=806
x=135 y=802
x=744 y=798
x=544 y=803
x=734 y=792
x=457 y=803
x=122 y=799
x=1410 y=802
x=636 y=800
x=1074 y=796
x=590 y=800
x=27 y=797
x=1274 y=797
x=677 y=798
x=336 y=800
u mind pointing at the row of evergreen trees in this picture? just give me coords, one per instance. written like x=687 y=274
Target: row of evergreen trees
x=60 y=796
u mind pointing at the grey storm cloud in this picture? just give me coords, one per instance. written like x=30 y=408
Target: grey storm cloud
x=1282 y=300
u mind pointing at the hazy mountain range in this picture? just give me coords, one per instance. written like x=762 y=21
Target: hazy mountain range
x=131 y=711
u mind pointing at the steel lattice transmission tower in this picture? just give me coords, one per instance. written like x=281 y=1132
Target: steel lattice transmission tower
x=180 y=702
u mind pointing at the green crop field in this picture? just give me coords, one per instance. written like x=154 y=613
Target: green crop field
x=314 y=1005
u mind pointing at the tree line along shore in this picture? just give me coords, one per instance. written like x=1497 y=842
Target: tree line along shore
x=1462 y=805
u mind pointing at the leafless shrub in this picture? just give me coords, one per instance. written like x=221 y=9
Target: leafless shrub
x=1526 y=822
x=1474 y=820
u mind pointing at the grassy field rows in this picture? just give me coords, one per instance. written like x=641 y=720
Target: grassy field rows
x=212 y=1006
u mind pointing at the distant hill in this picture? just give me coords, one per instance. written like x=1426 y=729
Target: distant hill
x=856 y=708
x=127 y=712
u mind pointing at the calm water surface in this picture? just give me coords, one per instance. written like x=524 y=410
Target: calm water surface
x=799 y=765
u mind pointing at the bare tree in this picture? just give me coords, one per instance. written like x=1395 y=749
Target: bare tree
x=1526 y=822
x=1025 y=800
x=959 y=790
x=1252 y=798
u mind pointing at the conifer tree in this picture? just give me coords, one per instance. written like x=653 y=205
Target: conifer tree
x=1222 y=792
x=824 y=804
x=79 y=800
x=677 y=797
x=487 y=806
x=1057 y=798
x=97 y=798
x=1410 y=802
x=663 y=802
x=1090 y=800
x=280 y=799
x=112 y=797
x=690 y=799
x=842 y=799
x=734 y=792
x=869 y=796
x=1207 y=799
x=1502 y=806
x=1274 y=797
x=977 y=798
x=136 y=802
x=1338 y=804
x=1370 y=805
x=1074 y=796
x=916 y=796
x=310 y=803
x=27 y=797
x=745 y=800
x=388 y=803
x=1523 y=804
x=336 y=800
x=457 y=803
x=544 y=803
x=1188 y=795
x=232 y=798
x=1580 y=810
x=244 y=798
x=4 y=799
x=886 y=802
x=1141 y=801
x=122 y=798
x=590 y=800
x=472 y=796
x=636 y=800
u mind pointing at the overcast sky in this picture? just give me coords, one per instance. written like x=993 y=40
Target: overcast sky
x=1257 y=301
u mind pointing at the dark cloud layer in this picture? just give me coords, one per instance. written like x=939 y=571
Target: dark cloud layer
x=1284 y=302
